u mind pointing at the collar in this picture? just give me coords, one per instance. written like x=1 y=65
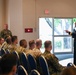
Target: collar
x=47 y=51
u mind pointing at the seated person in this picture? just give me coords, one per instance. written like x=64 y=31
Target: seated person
x=31 y=45
x=36 y=51
x=7 y=44
x=69 y=71
x=14 y=43
x=8 y=64
x=54 y=67
x=23 y=46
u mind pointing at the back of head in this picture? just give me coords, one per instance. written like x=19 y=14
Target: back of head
x=38 y=42
x=14 y=38
x=47 y=43
x=23 y=43
x=31 y=43
x=7 y=62
x=8 y=39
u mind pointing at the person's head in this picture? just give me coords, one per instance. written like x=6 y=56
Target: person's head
x=1 y=40
x=31 y=44
x=8 y=40
x=14 y=40
x=23 y=43
x=6 y=26
x=48 y=45
x=8 y=64
x=38 y=43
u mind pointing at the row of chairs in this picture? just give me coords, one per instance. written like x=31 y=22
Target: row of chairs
x=29 y=62
x=22 y=71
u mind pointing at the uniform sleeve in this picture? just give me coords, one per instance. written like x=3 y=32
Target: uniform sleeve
x=73 y=35
x=54 y=61
x=10 y=33
x=1 y=34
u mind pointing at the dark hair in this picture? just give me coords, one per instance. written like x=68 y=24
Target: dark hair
x=7 y=62
x=31 y=43
x=6 y=37
x=22 y=42
x=47 y=43
x=8 y=41
x=14 y=38
x=38 y=42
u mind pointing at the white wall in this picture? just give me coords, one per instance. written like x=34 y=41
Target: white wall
x=34 y=9
x=29 y=19
x=15 y=17
x=57 y=8
x=2 y=14
x=21 y=14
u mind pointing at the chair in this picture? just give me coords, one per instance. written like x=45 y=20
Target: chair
x=69 y=64
x=7 y=51
x=32 y=62
x=24 y=61
x=3 y=52
x=44 y=65
x=34 y=72
x=16 y=53
x=22 y=70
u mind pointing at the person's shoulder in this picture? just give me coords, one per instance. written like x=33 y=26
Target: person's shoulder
x=9 y=30
x=3 y=30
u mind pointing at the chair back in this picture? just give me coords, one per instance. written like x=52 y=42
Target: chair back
x=3 y=52
x=24 y=60
x=16 y=53
x=44 y=65
x=32 y=62
x=34 y=72
x=7 y=51
x=22 y=70
x=69 y=64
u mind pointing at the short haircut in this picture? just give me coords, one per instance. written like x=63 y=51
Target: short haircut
x=31 y=43
x=8 y=40
x=47 y=44
x=7 y=62
x=22 y=42
x=14 y=38
x=38 y=42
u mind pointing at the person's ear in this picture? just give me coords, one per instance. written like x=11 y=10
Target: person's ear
x=14 y=69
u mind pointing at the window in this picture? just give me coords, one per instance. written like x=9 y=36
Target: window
x=54 y=29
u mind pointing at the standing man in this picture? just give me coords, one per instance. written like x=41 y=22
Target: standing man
x=73 y=34
x=5 y=32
